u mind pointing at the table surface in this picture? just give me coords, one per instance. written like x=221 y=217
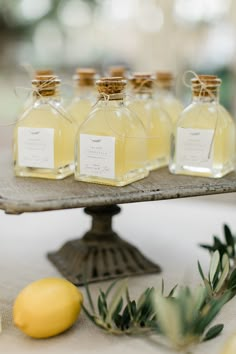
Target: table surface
x=168 y=232
x=19 y=194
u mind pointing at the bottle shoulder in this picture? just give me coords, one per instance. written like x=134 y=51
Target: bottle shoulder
x=108 y=119
x=169 y=99
x=147 y=105
x=81 y=101
x=115 y=111
x=204 y=113
x=44 y=114
x=81 y=107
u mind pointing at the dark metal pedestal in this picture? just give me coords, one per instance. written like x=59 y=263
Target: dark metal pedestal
x=101 y=254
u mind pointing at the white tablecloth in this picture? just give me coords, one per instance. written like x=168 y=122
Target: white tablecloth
x=167 y=231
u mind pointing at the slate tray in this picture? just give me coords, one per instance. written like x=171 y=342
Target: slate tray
x=19 y=195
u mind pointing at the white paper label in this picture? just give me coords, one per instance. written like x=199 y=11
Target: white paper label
x=36 y=147
x=97 y=155
x=194 y=147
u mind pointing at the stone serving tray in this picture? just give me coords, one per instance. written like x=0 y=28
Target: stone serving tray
x=100 y=254
x=18 y=195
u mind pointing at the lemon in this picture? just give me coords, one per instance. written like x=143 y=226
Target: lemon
x=230 y=346
x=47 y=307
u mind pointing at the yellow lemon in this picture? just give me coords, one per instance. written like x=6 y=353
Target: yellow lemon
x=230 y=345
x=47 y=307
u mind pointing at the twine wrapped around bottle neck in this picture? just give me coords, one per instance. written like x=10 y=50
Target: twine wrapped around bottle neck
x=142 y=83
x=111 y=88
x=203 y=85
x=206 y=86
x=45 y=86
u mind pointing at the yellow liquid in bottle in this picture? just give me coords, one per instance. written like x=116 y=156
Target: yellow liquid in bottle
x=172 y=106
x=79 y=110
x=158 y=129
x=214 y=117
x=130 y=144
x=63 y=143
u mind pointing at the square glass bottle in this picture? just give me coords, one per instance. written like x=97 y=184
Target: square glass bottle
x=165 y=95
x=111 y=145
x=44 y=135
x=203 y=142
x=156 y=121
x=85 y=95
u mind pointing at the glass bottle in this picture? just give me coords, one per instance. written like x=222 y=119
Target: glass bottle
x=204 y=138
x=111 y=144
x=165 y=95
x=44 y=135
x=155 y=119
x=85 y=95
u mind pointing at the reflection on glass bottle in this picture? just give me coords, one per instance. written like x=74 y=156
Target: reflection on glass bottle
x=156 y=121
x=204 y=138
x=111 y=144
x=44 y=134
x=165 y=95
x=85 y=95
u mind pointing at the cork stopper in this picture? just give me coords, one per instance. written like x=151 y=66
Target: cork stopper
x=142 y=82
x=85 y=77
x=111 y=85
x=164 y=79
x=117 y=71
x=205 y=85
x=43 y=72
x=45 y=85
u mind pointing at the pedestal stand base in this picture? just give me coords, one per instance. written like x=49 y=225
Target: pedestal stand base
x=101 y=254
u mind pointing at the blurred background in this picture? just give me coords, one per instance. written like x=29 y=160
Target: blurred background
x=143 y=35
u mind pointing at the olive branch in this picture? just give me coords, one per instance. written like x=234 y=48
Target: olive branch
x=182 y=317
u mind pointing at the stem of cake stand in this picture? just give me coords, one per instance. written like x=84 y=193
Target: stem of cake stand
x=100 y=254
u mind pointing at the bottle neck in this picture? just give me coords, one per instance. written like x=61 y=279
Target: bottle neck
x=41 y=99
x=165 y=91
x=85 y=91
x=209 y=97
x=108 y=102
x=205 y=91
x=142 y=95
x=44 y=91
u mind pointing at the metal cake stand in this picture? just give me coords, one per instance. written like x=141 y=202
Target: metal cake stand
x=100 y=254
